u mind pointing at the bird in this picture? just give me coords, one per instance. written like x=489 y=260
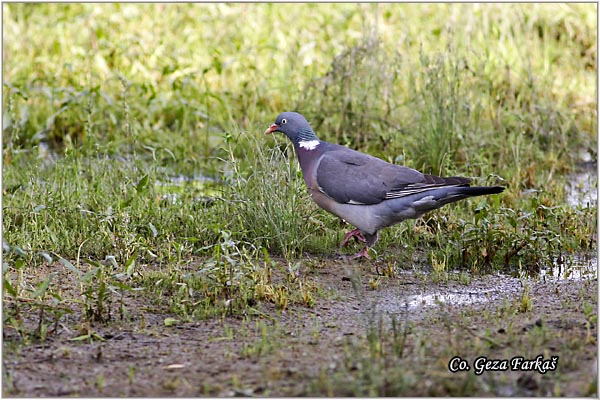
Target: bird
x=365 y=191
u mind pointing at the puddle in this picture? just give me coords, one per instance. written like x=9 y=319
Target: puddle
x=452 y=298
x=579 y=267
x=173 y=189
x=416 y=302
x=491 y=288
x=182 y=179
x=582 y=188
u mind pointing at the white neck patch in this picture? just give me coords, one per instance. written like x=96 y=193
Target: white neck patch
x=309 y=144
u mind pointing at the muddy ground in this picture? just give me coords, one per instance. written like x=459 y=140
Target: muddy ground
x=366 y=335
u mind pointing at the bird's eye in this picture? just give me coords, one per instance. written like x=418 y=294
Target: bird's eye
x=284 y=121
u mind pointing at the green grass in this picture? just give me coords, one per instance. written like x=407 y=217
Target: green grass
x=106 y=105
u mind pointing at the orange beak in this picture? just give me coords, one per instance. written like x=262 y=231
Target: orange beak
x=271 y=129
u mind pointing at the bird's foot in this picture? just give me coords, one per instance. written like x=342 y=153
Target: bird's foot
x=363 y=253
x=356 y=234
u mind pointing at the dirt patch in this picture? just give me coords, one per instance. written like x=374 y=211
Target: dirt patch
x=366 y=335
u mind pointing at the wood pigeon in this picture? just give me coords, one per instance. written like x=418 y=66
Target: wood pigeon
x=366 y=191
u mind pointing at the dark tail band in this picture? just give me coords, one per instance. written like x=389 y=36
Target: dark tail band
x=482 y=190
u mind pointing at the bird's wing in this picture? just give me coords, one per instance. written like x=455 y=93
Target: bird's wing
x=348 y=176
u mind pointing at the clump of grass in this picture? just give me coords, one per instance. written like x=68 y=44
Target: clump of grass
x=442 y=109
x=534 y=236
x=106 y=206
x=219 y=285
x=354 y=102
x=231 y=281
x=269 y=202
x=96 y=295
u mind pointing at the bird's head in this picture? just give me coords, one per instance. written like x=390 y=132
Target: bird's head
x=294 y=126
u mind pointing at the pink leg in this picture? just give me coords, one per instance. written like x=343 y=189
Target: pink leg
x=363 y=253
x=355 y=234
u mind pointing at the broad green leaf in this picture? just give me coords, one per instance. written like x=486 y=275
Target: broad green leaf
x=90 y=274
x=42 y=287
x=70 y=266
x=130 y=264
x=9 y=288
x=142 y=184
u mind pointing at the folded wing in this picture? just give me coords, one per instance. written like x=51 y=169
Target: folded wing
x=348 y=176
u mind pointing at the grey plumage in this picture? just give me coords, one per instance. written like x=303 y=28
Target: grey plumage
x=366 y=191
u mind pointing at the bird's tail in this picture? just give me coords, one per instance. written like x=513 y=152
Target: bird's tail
x=480 y=190
x=448 y=195
x=423 y=202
